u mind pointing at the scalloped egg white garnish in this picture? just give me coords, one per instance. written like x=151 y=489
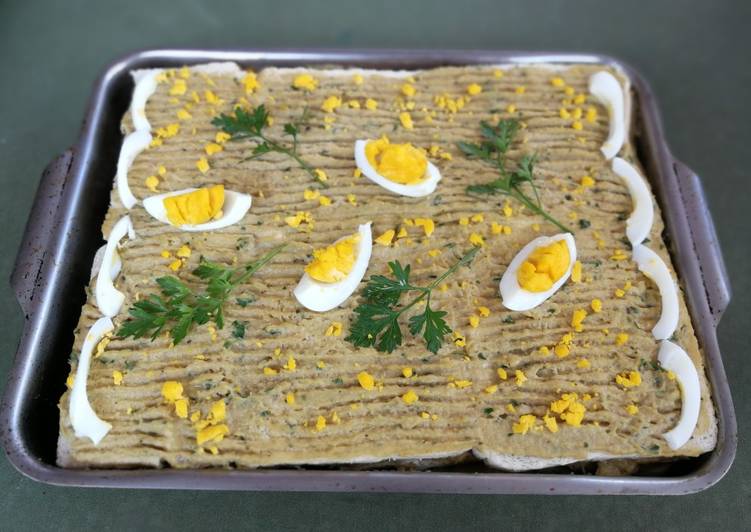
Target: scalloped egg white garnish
x=606 y=88
x=399 y=168
x=651 y=265
x=335 y=271
x=639 y=223
x=133 y=144
x=108 y=298
x=199 y=209
x=675 y=359
x=538 y=271
x=146 y=82
x=84 y=420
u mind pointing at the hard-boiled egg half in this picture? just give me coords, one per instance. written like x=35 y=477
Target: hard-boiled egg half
x=335 y=271
x=399 y=168
x=538 y=271
x=199 y=209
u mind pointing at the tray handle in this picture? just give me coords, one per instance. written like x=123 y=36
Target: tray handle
x=707 y=245
x=39 y=228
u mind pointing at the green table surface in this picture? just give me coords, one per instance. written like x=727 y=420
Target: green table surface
x=694 y=53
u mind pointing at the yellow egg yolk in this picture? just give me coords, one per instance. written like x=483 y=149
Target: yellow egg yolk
x=335 y=262
x=195 y=207
x=400 y=163
x=544 y=266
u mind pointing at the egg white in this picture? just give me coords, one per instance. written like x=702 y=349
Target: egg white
x=108 y=298
x=675 y=359
x=84 y=420
x=651 y=265
x=606 y=88
x=423 y=188
x=513 y=296
x=639 y=223
x=133 y=144
x=146 y=83
x=235 y=206
x=97 y=263
x=321 y=297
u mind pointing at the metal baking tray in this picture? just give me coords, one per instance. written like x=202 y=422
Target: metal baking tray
x=63 y=232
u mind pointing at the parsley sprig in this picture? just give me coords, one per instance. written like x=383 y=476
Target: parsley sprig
x=377 y=322
x=242 y=124
x=493 y=149
x=178 y=309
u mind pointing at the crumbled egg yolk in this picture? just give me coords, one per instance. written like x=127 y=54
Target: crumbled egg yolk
x=484 y=311
x=550 y=423
x=386 y=238
x=195 y=207
x=569 y=408
x=476 y=239
x=427 y=224
x=335 y=329
x=400 y=163
x=366 y=380
x=407 y=372
x=335 y=262
x=632 y=409
x=152 y=182
x=305 y=82
x=117 y=377
x=587 y=181
x=474 y=321
x=299 y=218
x=212 y=433
x=410 y=397
x=408 y=90
x=621 y=338
x=250 y=82
x=331 y=104
x=525 y=423
x=583 y=363
x=519 y=377
x=474 y=89
x=576 y=272
x=406 y=120
x=203 y=165
x=544 y=266
x=628 y=379
x=578 y=318
x=596 y=305
x=212 y=147
x=371 y=104
x=172 y=390
x=502 y=374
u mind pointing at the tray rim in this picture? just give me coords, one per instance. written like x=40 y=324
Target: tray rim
x=708 y=474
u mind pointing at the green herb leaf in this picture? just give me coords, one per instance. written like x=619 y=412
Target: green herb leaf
x=179 y=308
x=238 y=329
x=377 y=321
x=493 y=149
x=242 y=124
